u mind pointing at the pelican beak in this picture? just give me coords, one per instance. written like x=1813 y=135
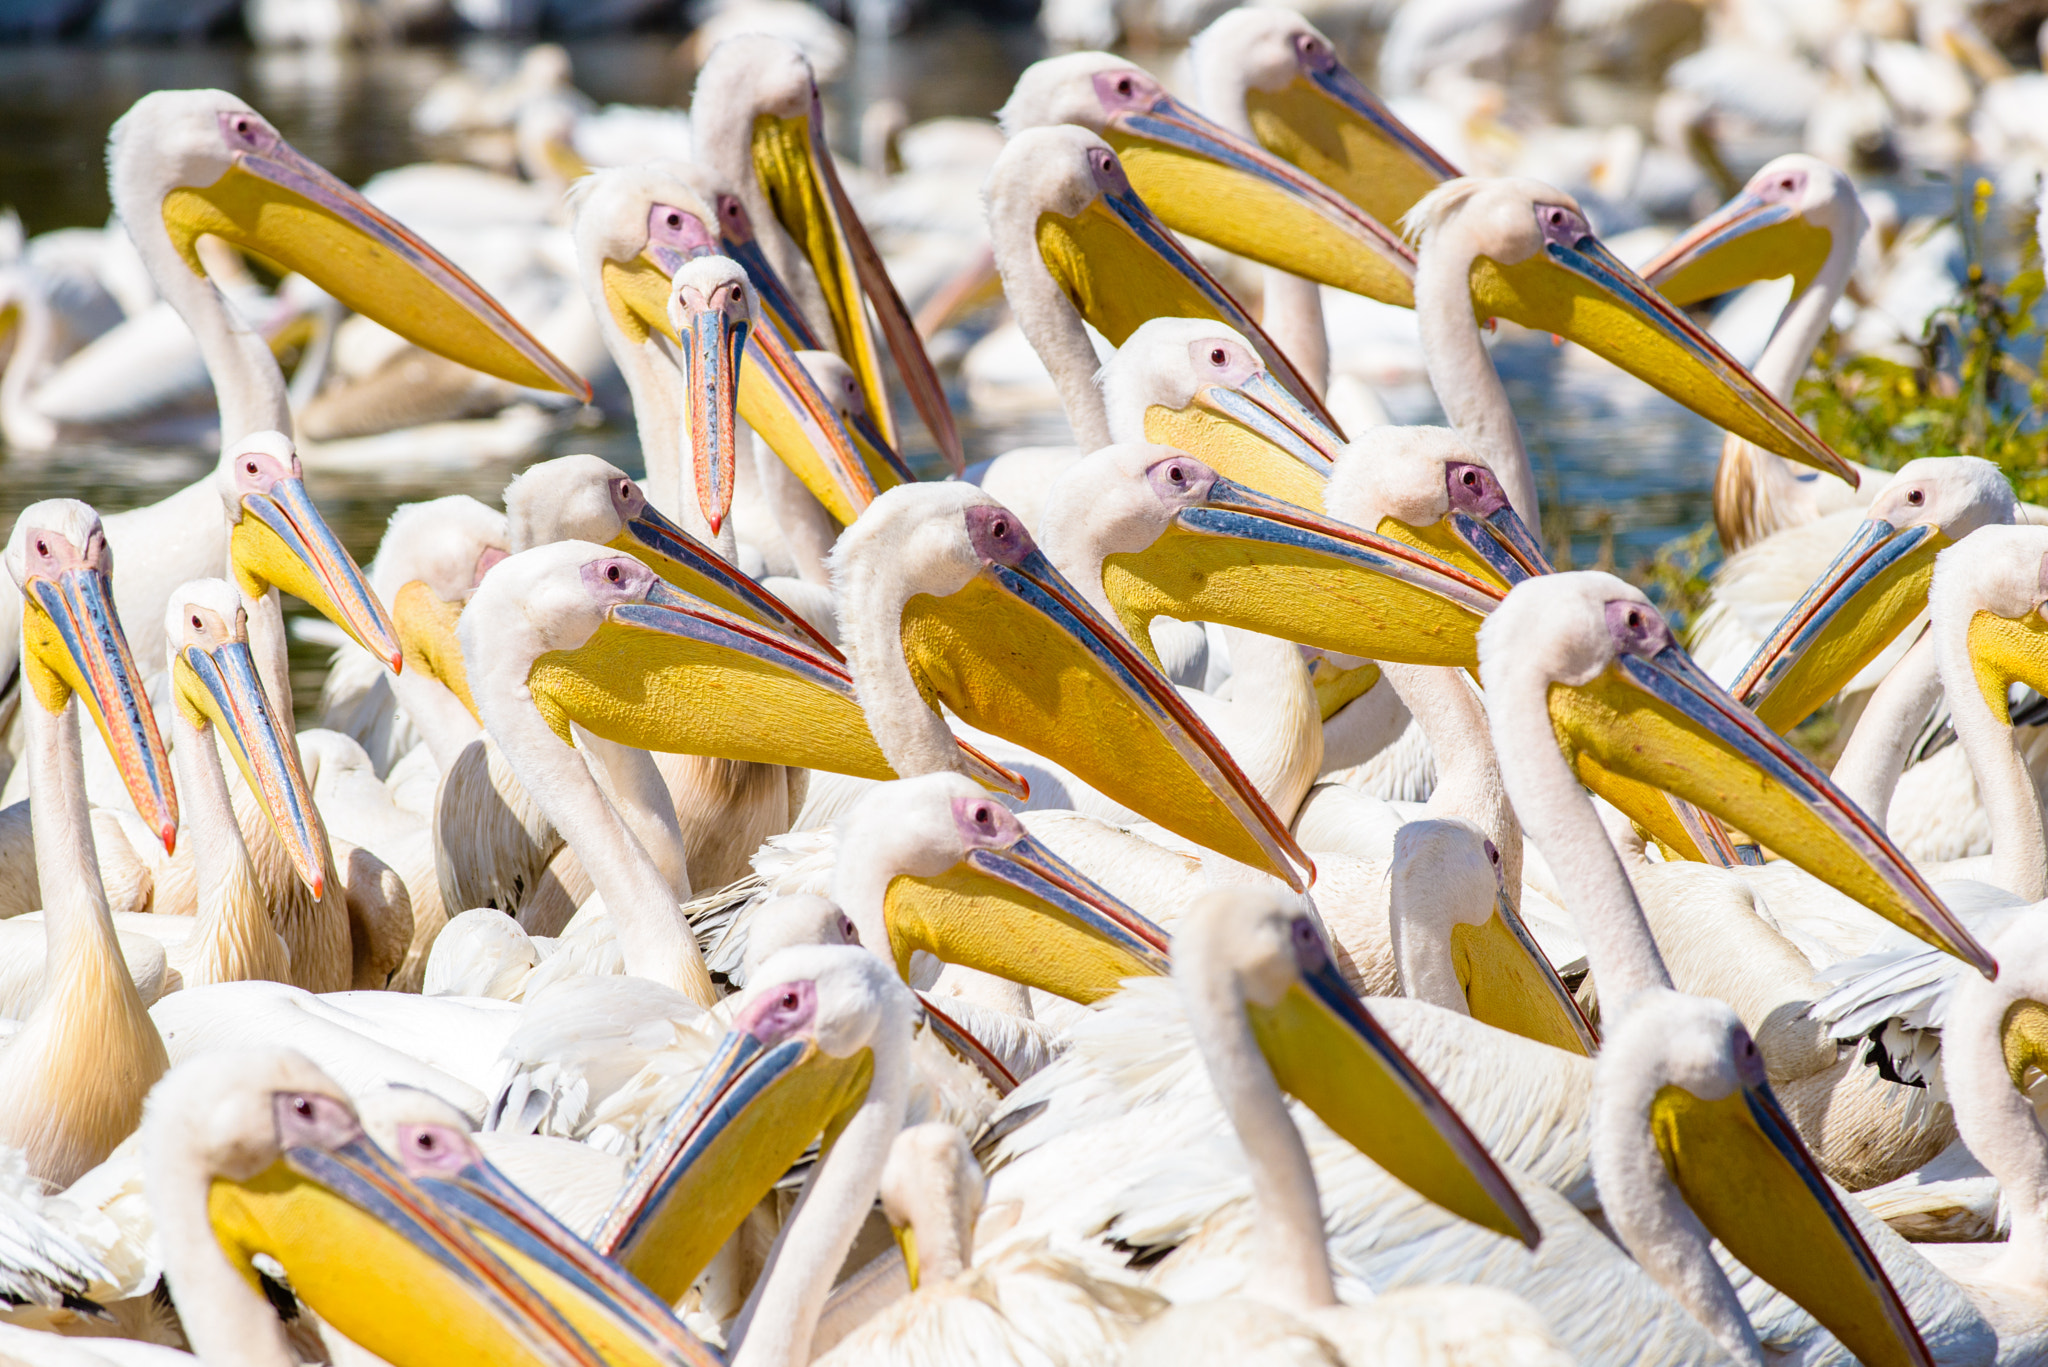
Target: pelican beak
x=281 y=541
x=1121 y=268
x=676 y=675
x=1326 y=1050
x=1241 y=558
x=1509 y=983
x=1745 y=240
x=275 y=202
x=1326 y=122
x=1257 y=434
x=906 y=1244
x=606 y=1304
x=1021 y=912
x=758 y=1104
x=1016 y=651
x=1877 y=584
x=1655 y=724
x=883 y=461
x=696 y=569
x=1338 y=686
x=777 y=397
x=1584 y=294
x=713 y=333
x=1209 y=183
x=1480 y=533
x=425 y=624
x=795 y=169
x=379 y=1259
x=72 y=644
x=967 y=1048
x=220 y=688
x=1740 y=1165
x=2005 y=651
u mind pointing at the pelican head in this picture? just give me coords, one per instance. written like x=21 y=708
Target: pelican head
x=1460 y=943
x=1789 y=218
x=796 y=1063
x=185 y=163
x=1586 y=661
x=1876 y=584
x=1208 y=182
x=278 y=540
x=1278 y=74
x=1148 y=531
x=219 y=693
x=841 y=388
x=431 y=559
x=604 y=643
x=760 y=125
x=1522 y=250
x=943 y=597
x=1254 y=961
x=936 y=864
x=259 y=1152
x=585 y=498
x=711 y=310
x=1684 y=1118
x=635 y=228
x=1071 y=234
x=72 y=645
x=614 y=1313
x=1198 y=385
x=1987 y=598
x=932 y=1191
x=1424 y=486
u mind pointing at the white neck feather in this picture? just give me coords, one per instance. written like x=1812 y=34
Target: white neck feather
x=1999 y=1124
x=227 y=1322
x=1805 y=320
x=870 y=590
x=1049 y=321
x=1468 y=781
x=234 y=939
x=2019 y=847
x=1462 y=373
x=776 y=1328
x=1875 y=757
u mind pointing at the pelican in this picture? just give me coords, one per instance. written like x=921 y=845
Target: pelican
x=944 y=597
x=252 y=1153
x=932 y=1189
x=183 y=164
x=1797 y=216
x=757 y=124
x=77 y=1069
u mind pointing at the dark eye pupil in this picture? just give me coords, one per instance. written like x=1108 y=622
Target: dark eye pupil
x=42 y=548
x=302 y=1106
x=789 y=1001
x=195 y=622
x=1216 y=357
x=1002 y=528
x=612 y=573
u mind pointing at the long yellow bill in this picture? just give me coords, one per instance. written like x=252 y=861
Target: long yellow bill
x=1120 y=267
x=1876 y=584
x=73 y=646
x=1577 y=289
x=2005 y=651
x=673 y=674
x=275 y=202
x=777 y=397
x=1509 y=983
x=280 y=540
x=379 y=1259
x=768 y=1092
x=1329 y=124
x=219 y=688
x=1018 y=652
x=1652 y=723
x=1248 y=428
x=624 y=1321
x=1326 y=1049
x=1480 y=533
x=1207 y=182
x=1237 y=557
x=1749 y=238
x=796 y=172
x=1740 y=1165
x=1013 y=908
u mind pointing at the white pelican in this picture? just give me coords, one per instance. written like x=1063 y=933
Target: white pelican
x=1521 y=250
x=258 y=1153
x=932 y=1190
x=944 y=598
x=1797 y=216
x=756 y=123
x=183 y=164
x=75 y=1072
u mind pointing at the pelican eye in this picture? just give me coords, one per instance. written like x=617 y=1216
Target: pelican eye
x=1173 y=473
x=195 y=624
x=1471 y=478
x=1218 y=356
x=611 y=572
x=42 y=548
x=302 y=1107
x=1917 y=497
x=790 y=1001
x=999 y=529
x=1123 y=85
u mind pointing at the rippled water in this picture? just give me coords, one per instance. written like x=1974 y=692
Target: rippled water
x=1626 y=463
